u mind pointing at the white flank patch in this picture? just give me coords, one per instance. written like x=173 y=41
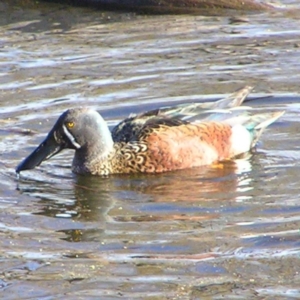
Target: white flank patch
x=241 y=140
x=71 y=137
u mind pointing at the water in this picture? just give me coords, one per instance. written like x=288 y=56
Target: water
x=230 y=232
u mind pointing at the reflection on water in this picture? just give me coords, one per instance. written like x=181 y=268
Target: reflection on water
x=228 y=231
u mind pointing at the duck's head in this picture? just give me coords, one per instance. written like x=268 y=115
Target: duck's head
x=81 y=129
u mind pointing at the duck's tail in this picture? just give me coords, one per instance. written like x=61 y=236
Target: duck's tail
x=259 y=122
x=247 y=129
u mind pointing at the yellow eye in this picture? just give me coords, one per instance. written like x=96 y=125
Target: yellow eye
x=70 y=124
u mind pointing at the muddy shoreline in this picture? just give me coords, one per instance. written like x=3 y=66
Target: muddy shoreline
x=202 y=7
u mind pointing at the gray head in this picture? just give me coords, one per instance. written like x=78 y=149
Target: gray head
x=81 y=129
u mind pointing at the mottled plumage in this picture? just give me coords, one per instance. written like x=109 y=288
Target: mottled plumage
x=128 y=129
x=165 y=139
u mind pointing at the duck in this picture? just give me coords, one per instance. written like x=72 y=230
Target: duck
x=166 y=139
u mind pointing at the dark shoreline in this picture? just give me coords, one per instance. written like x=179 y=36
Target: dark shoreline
x=172 y=6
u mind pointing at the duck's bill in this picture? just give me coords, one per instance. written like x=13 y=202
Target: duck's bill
x=48 y=148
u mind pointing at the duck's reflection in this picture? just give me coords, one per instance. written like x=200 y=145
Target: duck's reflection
x=218 y=182
x=93 y=202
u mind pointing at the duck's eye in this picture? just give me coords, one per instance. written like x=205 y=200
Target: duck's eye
x=70 y=124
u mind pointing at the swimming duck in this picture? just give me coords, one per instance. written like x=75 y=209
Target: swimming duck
x=165 y=139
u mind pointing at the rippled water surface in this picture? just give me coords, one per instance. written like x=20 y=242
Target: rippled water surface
x=231 y=232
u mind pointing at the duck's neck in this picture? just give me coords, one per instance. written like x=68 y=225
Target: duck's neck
x=97 y=151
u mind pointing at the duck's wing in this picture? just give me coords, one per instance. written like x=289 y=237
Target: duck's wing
x=199 y=111
x=129 y=129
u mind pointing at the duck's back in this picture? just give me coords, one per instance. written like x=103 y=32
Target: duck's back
x=130 y=128
x=162 y=148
